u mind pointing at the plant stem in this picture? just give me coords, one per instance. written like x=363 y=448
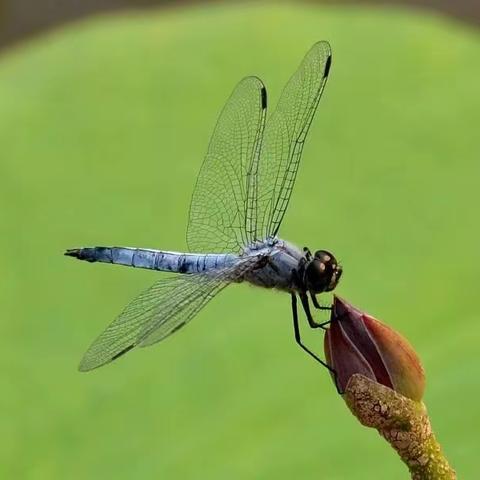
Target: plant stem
x=404 y=423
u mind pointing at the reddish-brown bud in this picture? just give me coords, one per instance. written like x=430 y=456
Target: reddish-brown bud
x=358 y=343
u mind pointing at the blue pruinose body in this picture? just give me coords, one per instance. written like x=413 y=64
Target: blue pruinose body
x=280 y=259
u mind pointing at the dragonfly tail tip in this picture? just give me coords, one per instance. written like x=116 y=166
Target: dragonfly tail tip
x=72 y=252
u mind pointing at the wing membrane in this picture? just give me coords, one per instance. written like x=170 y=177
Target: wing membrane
x=245 y=183
x=159 y=311
x=220 y=214
x=284 y=137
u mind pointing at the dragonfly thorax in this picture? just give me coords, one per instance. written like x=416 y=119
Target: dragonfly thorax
x=322 y=272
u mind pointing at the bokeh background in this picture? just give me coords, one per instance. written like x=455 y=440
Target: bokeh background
x=103 y=125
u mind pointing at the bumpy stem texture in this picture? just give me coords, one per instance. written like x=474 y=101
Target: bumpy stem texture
x=404 y=423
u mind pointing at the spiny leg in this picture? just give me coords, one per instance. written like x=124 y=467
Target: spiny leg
x=308 y=313
x=308 y=253
x=298 y=339
x=319 y=307
x=315 y=302
x=296 y=329
x=304 y=298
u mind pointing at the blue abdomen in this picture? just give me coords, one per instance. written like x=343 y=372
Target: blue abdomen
x=154 y=259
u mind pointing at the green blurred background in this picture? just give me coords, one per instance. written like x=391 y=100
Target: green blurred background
x=97 y=118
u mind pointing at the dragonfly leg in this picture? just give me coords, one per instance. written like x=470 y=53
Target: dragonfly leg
x=316 y=304
x=308 y=313
x=320 y=307
x=298 y=339
x=308 y=253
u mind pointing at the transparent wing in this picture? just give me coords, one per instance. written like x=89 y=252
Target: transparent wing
x=284 y=137
x=159 y=311
x=220 y=212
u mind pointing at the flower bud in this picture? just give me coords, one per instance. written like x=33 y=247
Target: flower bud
x=358 y=343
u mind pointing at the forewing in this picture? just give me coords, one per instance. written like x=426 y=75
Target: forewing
x=284 y=137
x=159 y=311
x=219 y=219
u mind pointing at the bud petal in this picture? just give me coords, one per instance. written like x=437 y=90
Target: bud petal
x=358 y=343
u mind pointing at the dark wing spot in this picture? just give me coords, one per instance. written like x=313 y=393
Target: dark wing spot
x=178 y=327
x=328 y=64
x=122 y=352
x=263 y=93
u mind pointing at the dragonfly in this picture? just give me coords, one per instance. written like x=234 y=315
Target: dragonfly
x=239 y=201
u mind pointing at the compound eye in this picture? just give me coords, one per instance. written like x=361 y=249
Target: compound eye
x=324 y=256
x=321 y=267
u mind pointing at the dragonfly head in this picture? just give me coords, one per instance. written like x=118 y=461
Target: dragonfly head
x=323 y=272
